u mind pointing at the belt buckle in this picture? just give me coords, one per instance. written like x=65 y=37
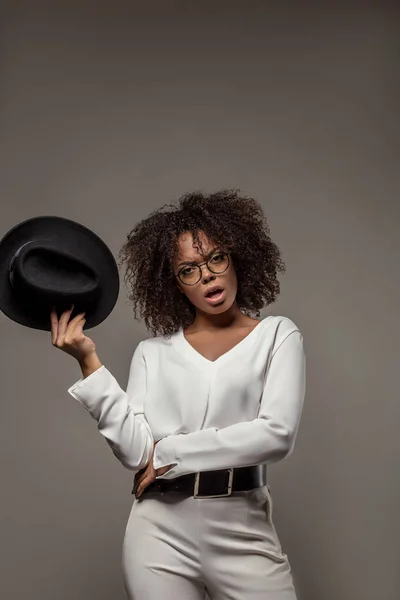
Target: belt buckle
x=229 y=487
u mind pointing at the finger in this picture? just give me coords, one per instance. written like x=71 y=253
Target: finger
x=140 y=473
x=63 y=322
x=75 y=327
x=69 y=328
x=74 y=333
x=143 y=485
x=54 y=325
x=140 y=476
x=149 y=478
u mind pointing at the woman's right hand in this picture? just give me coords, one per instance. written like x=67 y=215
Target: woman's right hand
x=68 y=335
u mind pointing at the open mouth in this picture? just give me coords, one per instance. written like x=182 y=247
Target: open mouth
x=215 y=295
x=215 y=292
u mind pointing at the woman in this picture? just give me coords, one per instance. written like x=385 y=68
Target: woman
x=213 y=396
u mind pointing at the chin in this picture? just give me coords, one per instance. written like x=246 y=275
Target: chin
x=216 y=310
x=219 y=308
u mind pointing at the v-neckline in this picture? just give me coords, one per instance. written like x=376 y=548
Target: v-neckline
x=197 y=355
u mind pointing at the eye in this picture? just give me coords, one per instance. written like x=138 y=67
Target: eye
x=187 y=270
x=217 y=257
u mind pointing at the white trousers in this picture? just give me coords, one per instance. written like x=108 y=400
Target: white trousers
x=185 y=548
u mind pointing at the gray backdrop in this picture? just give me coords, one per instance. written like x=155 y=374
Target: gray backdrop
x=107 y=113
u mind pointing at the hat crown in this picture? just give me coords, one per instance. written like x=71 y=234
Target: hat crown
x=45 y=271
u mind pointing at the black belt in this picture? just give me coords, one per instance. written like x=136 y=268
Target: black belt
x=210 y=484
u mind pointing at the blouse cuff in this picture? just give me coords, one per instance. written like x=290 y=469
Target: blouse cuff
x=82 y=390
x=164 y=455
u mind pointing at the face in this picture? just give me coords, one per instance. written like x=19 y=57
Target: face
x=197 y=293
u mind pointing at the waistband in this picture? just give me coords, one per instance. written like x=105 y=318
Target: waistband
x=211 y=484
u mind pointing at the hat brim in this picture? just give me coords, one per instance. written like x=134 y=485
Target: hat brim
x=86 y=244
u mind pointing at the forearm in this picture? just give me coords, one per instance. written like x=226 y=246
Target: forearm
x=239 y=445
x=90 y=364
x=128 y=434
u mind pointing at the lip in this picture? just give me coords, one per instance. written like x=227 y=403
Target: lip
x=217 y=299
x=213 y=288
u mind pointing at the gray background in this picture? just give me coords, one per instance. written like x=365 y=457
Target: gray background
x=108 y=112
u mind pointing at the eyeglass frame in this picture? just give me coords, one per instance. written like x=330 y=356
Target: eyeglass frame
x=205 y=263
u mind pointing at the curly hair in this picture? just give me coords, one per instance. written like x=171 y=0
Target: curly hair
x=235 y=222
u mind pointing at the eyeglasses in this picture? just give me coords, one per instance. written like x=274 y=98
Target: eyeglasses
x=217 y=263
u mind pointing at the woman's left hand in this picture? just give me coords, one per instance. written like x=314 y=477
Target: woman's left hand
x=147 y=475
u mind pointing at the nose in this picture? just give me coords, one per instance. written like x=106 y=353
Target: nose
x=206 y=274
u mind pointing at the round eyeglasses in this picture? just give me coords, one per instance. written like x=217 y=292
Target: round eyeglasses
x=217 y=263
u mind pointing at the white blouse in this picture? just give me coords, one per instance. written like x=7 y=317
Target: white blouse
x=242 y=409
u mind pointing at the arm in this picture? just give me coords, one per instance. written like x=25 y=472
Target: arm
x=119 y=415
x=268 y=438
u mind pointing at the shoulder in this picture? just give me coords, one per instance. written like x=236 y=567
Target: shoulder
x=281 y=327
x=282 y=323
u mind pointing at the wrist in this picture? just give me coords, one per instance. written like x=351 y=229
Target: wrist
x=162 y=470
x=89 y=364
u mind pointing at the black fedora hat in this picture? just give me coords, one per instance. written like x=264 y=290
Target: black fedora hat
x=52 y=261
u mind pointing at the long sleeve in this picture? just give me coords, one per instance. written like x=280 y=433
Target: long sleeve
x=119 y=415
x=268 y=438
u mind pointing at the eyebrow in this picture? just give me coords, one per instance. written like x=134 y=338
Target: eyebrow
x=193 y=262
